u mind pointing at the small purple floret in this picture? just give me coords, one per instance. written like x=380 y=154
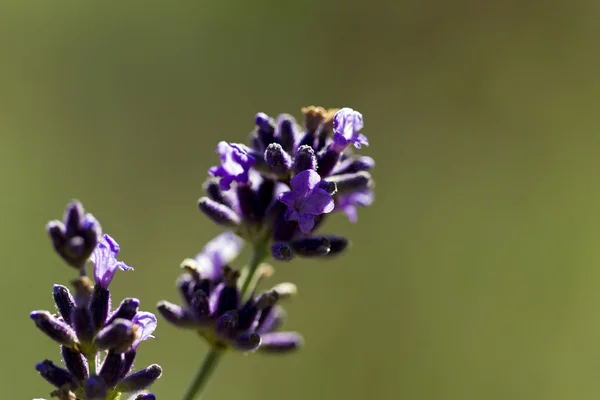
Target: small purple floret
x=347 y=124
x=306 y=200
x=217 y=253
x=348 y=203
x=147 y=323
x=105 y=261
x=235 y=164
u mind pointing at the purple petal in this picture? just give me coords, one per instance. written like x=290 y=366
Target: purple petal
x=306 y=222
x=319 y=202
x=291 y=215
x=218 y=252
x=147 y=324
x=281 y=342
x=287 y=198
x=272 y=320
x=104 y=258
x=235 y=163
x=305 y=182
x=347 y=122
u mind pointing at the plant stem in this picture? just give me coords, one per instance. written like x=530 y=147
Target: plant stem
x=210 y=362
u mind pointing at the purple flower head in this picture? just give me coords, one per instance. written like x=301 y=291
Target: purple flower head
x=146 y=323
x=348 y=203
x=104 y=258
x=306 y=200
x=347 y=124
x=217 y=253
x=235 y=164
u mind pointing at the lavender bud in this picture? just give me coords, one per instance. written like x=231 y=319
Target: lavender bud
x=287 y=131
x=305 y=159
x=64 y=302
x=56 y=376
x=247 y=199
x=337 y=245
x=75 y=363
x=281 y=342
x=266 y=129
x=141 y=379
x=215 y=193
x=228 y=299
x=126 y=310
x=227 y=324
x=247 y=342
x=329 y=187
x=128 y=359
x=264 y=197
x=285 y=290
x=73 y=218
x=308 y=139
x=311 y=246
x=200 y=304
x=145 y=396
x=327 y=162
x=117 y=336
x=282 y=252
x=54 y=328
x=278 y=160
x=218 y=213
x=176 y=315
x=350 y=183
x=94 y=388
x=99 y=306
x=83 y=324
x=111 y=368
x=57 y=233
x=355 y=164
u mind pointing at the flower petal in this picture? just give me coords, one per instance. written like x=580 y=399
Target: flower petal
x=319 y=202
x=104 y=258
x=304 y=182
x=218 y=252
x=306 y=222
x=281 y=342
x=147 y=324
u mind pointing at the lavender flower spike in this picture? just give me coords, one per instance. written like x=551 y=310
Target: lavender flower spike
x=306 y=200
x=235 y=164
x=346 y=125
x=105 y=261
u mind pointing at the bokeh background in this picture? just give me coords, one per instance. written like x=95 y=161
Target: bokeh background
x=475 y=275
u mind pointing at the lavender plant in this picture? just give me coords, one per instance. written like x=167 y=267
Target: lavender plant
x=273 y=195
x=98 y=345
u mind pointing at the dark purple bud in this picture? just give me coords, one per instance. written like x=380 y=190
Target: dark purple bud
x=184 y=285
x=329 y=187
x=287 y=131
x=56 y=376
x=57 y=233
x=54 y=328
x=247 y=342
x=304 y=159
x=177 y=315
x=308 y=140
x=350 y=183
x=73 y=218
x=99 y=306
x=117 y=336
x=75 y=363
x=229 y=296
x=266 y=129
x=94 y=388
x=111 y=368
x=83 y=323
x=126 y=310
x=200 y=305
x=218 y=213
x=265 y=196
x=283 y=229
x=281 y=342
x=282 y=252
x=141 y=379
x=311 y=246
x=247 y=199
x=270 y=319
x=327 y=161
x=128 y=359
x=214 y=192
x=64 y=302
x=145 y=396
x=355 y=164
x=278 y=160
x=247 y=316
x=227 y=324
x=337 y=245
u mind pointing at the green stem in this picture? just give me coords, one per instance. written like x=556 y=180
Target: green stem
x=92 y=364
x=210 y=362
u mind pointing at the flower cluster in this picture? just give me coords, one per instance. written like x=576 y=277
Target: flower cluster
x=213 y=304
x=98 y=345
x=279 y=189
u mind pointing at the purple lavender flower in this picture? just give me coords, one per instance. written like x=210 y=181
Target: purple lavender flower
x=306 y=200
x=213 y=305
x=347 y=124
x=217 y=253
x=85 y=328
x=105 y=261
x=235 y=164
x=293 y=182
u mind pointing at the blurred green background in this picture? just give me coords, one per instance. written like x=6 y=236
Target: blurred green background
x=474 y=276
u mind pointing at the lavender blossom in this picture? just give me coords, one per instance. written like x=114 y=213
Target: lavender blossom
x=98 y=346
x=213 y=304
x=284 y=186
